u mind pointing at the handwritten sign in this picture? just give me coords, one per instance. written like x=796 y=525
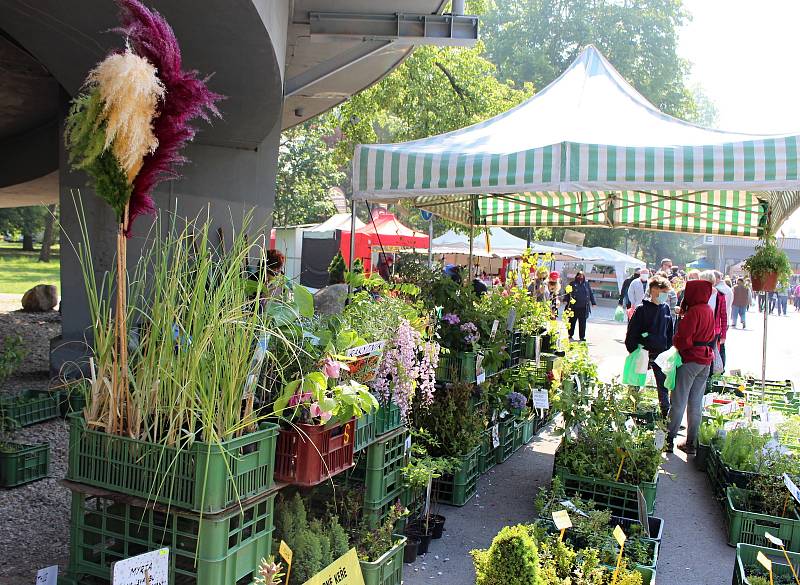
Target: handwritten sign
x=790 y=485
x=366 y=350
x=150 y=568
x=619 y=535
x=540 y=399
x=343 y=571
x=562 y=519
x=47 y=576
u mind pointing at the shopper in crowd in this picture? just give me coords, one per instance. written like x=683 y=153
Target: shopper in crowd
x=693 y=340
x=638 y=288
x=741 y=303
x=672 y=296
x=797 y=297
x=580 y=301
x=553 y=290
x=666 y=268
x=651 y=327
x=623 y=294
x=538 y=288
x=782 y=298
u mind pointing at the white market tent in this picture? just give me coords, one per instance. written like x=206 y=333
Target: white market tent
x=502 y=244
x=338 y=221
x=590 y=151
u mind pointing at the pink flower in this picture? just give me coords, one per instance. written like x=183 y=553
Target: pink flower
x=316 y=411
x=299 y=398
x=504 y=293
x=332 y=368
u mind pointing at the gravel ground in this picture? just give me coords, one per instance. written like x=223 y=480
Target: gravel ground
x=34 y=518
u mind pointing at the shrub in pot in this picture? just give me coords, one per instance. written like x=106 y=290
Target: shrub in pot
x=768 y=266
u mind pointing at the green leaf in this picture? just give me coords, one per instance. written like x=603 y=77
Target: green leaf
x=304 y=301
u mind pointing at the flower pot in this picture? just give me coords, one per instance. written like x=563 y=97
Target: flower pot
x=410 y=550
x=765 y=282
x=436 y=525
x=424 y=543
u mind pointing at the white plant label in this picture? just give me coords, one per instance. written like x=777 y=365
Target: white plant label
x=512 y=318
x=495 y=436
x=47 y=576
x=774 y=539
x=408 y=444
x=562 y=520
x=660 y=439
x=790 y=485
x=538 y=349
x=366 y=349
x=495 y=326
x=151 y=568
x=480 y=374
x=629 y=425
x=573 y=508
x=748 y=413
x=540 y=399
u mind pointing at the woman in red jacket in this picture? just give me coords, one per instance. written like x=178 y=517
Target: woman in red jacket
x=693 y=340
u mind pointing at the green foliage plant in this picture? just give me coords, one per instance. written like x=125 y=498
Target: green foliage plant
x=454 y=423
x=769 y=258
x=11 y=355
x=512 y=559
x=336 y=269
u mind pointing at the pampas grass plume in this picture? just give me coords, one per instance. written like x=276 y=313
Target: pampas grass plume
x=130 y=90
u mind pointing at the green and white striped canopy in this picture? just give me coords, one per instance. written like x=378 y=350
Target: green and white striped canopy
x=589 y=150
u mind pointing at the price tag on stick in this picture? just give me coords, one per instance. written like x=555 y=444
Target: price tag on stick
x=790 y=485
x=779 y=543
x=765 y=562
x=562 y=521
x=540 y=399
x=620 y=537
x=286 y=554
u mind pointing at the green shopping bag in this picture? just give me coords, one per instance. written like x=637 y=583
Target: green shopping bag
x=619 y=314
x=669 y=362
x=633 y=374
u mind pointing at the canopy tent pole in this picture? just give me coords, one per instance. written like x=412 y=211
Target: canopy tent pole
x=471 y=234
x=430 y=242
x=764 y=349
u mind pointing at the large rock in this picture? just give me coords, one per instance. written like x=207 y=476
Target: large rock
x=330 y=300
x=41 y=298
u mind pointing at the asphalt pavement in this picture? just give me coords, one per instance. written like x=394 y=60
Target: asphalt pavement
x=693 y=550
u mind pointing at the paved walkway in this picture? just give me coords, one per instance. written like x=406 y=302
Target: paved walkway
x=694 y=549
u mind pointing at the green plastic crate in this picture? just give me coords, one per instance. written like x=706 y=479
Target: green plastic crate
x=29 y=408
x=375 y=514
x=746 y=557
x=487 y=457
x=749 y=527
x=387 y=419
x=211 y=549
x=506 y=447
x=458 y=367
x=720 y=475
x=519 y=434
x=380 y=467
x=205 y=477
x=388 y=569
x=23 y=463
x=620 y=498
x=365 y=431
x=458 y=489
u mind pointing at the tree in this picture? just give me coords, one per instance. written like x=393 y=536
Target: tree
x=26 y=221
x=47 y=237
x=533 y=41
x=307 y=168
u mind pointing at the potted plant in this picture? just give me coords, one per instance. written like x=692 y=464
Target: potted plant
x=768 y=266
x=517 y=403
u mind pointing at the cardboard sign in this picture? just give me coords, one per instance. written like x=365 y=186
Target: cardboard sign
x=540 y=399
x=366 y=350
x=643 y=518
x=496 y=436
x=619 y=535
x=495 y=325
x=47 y=576
x=765 y=562
x=790 y=485
x=343 y=571
x=150 y=568
x=774 y=540
x=562 y=519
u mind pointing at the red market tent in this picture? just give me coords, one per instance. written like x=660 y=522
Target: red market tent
x=385 y=230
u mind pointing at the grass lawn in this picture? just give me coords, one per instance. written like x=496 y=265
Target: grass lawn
x=20 y=270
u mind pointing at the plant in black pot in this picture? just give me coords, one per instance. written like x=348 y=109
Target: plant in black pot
x=768 y=266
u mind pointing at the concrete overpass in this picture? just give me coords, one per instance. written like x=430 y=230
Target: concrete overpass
x=279 y=62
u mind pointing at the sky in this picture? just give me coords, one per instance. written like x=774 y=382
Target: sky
x=744 y=55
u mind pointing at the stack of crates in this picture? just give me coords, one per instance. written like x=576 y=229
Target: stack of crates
x=211 y=504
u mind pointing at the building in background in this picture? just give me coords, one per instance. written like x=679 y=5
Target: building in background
x=726 y=253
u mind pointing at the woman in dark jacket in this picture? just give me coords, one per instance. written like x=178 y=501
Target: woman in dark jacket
x=580 y=301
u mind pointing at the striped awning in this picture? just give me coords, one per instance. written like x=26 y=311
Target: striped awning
x=556 y=160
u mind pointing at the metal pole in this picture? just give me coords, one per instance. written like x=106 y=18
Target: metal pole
x=471 y=235
x=528 y=244
x=764 y=350
x=430 y=242
x=352 y=233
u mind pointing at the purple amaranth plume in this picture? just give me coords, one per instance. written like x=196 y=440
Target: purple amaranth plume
x=186 y=97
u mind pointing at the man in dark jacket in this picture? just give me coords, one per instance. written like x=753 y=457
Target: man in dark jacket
x=693 y=340
x=580 y=301
x=623 y=294
x=651 y=327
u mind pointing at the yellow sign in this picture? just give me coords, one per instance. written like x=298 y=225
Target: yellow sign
x=562 y=519
x=343 y=571
x=619 y=535
x=765 y=562
x=286 y=554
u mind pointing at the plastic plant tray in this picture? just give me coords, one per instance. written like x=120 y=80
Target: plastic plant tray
x=459 y=488
x=380 y=467
x=620 y=498
x=749 y=527
x=365 y=431
x=21 y=464
x=30 y=407
x=388 y=569
x=307 y=455
x=746 y=557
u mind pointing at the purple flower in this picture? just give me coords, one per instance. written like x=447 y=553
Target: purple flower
x=471 y=332
x=451 y=318
x=516 y=400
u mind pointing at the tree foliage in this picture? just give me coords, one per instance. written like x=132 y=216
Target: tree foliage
x=534 y=41
x=306 y=170
x=24 y=221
